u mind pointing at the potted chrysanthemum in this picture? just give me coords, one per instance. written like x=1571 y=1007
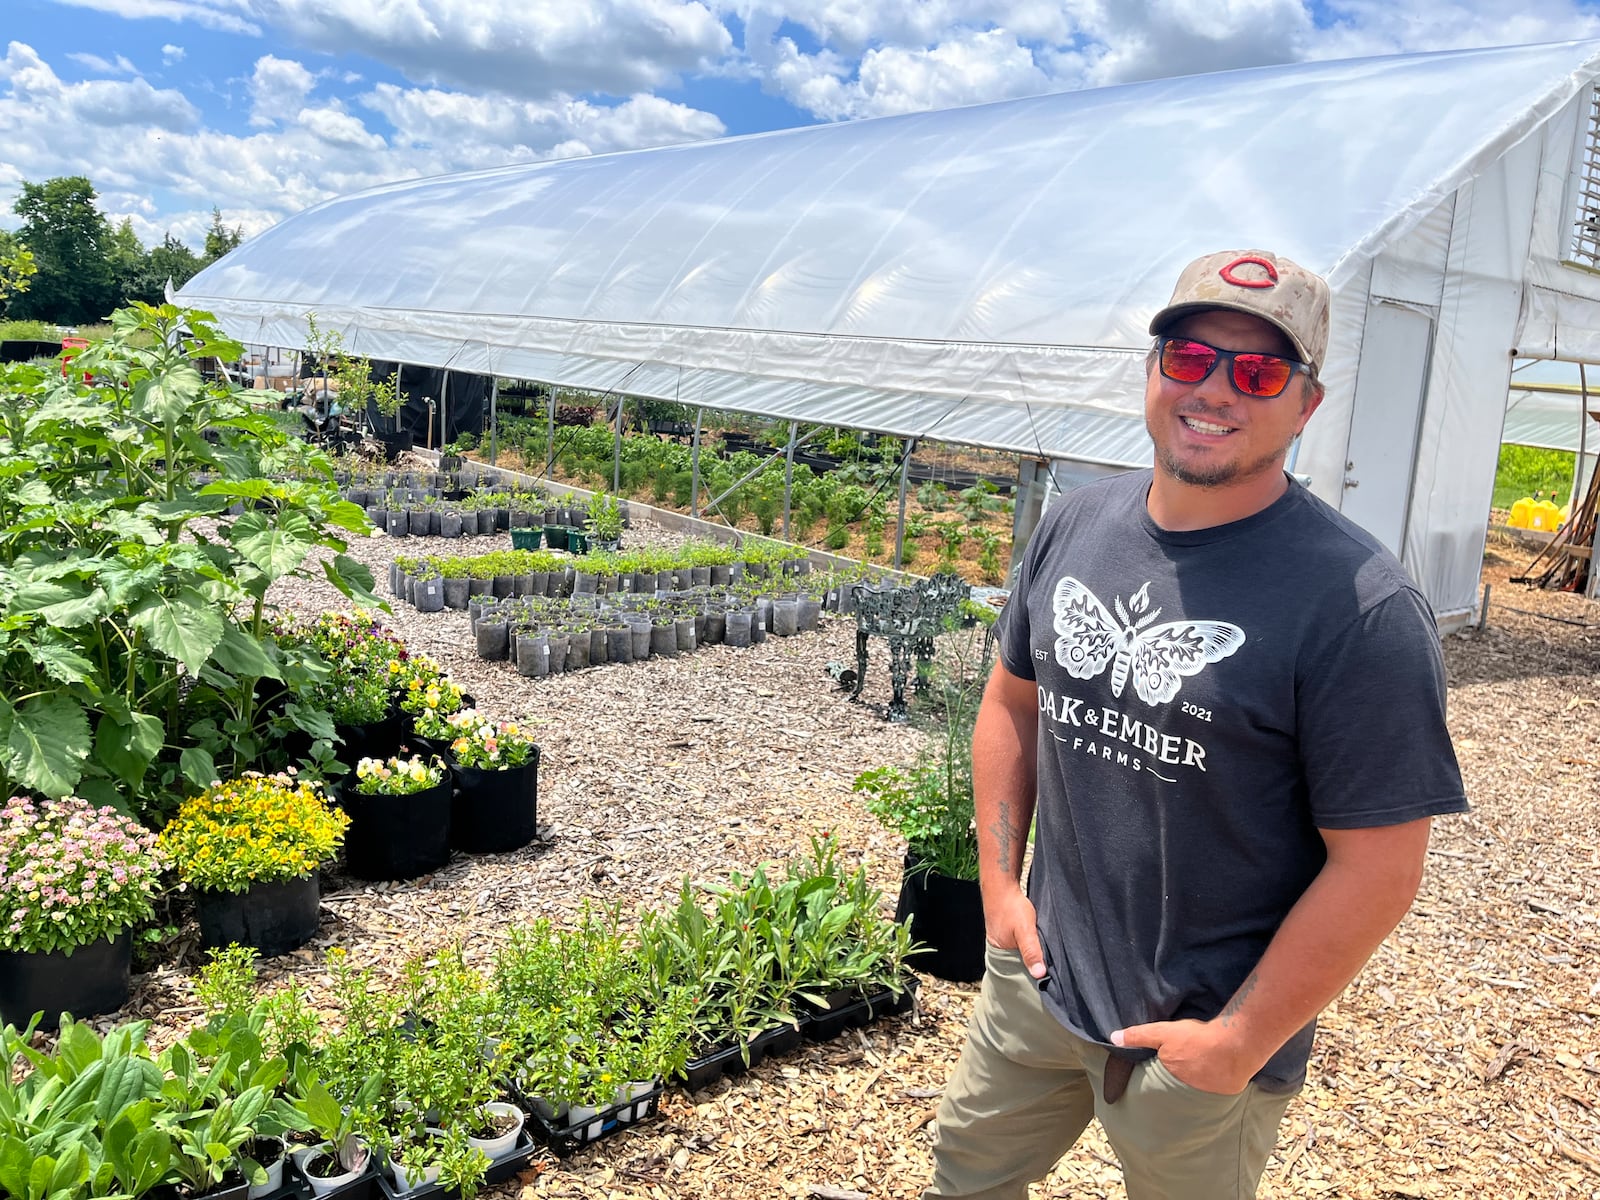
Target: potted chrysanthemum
x=399 y=817
x=496 y=765
x=74 y=881
x=251 y=848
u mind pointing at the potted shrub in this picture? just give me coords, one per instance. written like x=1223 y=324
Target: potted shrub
x=931 y=806
x=604 y=522
x=251 y=848
x=399 y=817
x=496 y=764
x=74 y=881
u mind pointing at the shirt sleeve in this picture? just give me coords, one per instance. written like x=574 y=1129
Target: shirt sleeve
x=1374 y=746
x=1013 y=628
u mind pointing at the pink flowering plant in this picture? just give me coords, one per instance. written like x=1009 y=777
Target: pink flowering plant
x=477 y=742
x=72 y=873
x=398 y=776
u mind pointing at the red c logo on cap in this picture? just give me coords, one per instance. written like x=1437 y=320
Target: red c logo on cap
x=1250 y=259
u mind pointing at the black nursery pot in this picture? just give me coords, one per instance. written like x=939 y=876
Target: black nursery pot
x=396 y=837
x=495 y=811
x=381 y=739
x=947 y=916
x=275 y=917
x=92 y=979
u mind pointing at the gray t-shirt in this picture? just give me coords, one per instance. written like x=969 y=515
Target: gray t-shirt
x=1207 y=701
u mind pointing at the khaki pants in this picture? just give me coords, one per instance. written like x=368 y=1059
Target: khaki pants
x=1025 y=1089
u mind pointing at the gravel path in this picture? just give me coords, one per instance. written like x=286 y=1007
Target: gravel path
x=1465 y=1058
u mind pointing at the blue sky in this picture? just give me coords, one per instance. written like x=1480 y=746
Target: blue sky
x=261 y=107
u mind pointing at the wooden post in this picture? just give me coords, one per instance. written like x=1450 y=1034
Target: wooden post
x=694 y=464
x=788 y=478
x=900 y=525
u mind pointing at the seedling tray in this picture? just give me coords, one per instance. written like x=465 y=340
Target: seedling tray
x=564 y=1139
x=499 y=1171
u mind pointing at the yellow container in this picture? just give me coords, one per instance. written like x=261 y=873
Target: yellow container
x=1546 y=516
x=1522 y=514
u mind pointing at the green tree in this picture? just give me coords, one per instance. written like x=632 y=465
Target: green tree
x=126 y=259
x=16 y=268
x=219 y=238
x=68 y=237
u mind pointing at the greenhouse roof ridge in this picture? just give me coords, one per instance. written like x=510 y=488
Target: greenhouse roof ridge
x=1004 y=255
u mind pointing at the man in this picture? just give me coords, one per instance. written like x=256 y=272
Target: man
x=1223 y=703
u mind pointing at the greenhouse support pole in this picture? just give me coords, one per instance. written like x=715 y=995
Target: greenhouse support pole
x=444 y=407
x=788 y=478
x=494 y=420
x=694 y=465
x=616 y=456
x=900 y=525
x=399 y=396
x=550 y=436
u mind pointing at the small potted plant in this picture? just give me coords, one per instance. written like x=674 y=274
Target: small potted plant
x=422 y=689
x=399 y=817
x=250 y=848
x=74 y=881
x=930 y=804
x=496 y=765
x=604 y=522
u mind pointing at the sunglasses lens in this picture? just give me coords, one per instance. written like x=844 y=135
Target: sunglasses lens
x=1261 y=374
x=1187 y=362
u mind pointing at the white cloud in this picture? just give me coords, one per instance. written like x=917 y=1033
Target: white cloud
x=278 y=90
x=966 y=69
x=226 y=16
x=95 y=63
x=532 y=50
x=496 y=131
x=171 y=54
x=107 y=103
x=166 y=176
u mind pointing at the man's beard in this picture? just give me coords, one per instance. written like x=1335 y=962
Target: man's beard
x=1219 y=474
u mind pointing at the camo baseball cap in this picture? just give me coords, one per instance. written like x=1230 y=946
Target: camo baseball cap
x=1260 y=283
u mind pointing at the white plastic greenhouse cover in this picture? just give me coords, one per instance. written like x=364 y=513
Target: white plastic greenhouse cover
x=980 y=275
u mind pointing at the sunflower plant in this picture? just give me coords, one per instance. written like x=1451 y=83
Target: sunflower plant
x=253 y=829
x=398 y=776
x=485 y=745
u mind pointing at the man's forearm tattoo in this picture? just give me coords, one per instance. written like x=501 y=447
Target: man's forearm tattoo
x=1232 y=1007
x=1005 y=840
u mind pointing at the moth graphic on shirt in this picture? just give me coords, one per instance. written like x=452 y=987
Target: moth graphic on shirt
x=1159 y=657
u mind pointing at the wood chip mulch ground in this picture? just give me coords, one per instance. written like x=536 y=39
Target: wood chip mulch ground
x=1465 y=1059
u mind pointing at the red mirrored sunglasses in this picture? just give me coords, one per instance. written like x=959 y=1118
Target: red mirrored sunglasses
x=1185 y=360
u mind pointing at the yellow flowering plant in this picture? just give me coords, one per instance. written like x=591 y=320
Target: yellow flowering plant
x=423 y=688
x=253 y=829
x=398 y=776
x=477 y=742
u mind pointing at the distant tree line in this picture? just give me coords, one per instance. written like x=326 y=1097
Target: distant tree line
x=68 y=265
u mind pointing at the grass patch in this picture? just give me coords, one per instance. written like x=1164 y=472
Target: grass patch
x=1524 y=470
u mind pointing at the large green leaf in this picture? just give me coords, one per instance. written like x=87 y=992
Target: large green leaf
x=185 y=627
x=47 y=740
x=277 y=548
x=353 y=579
x=30 y=597
x=238 y=489
x=124 y=580
x=69 y=614
x=168 y=396
x=132 y=528
x=126 y=748
x=242 y=655
x=60 y=659
x=198 y=767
